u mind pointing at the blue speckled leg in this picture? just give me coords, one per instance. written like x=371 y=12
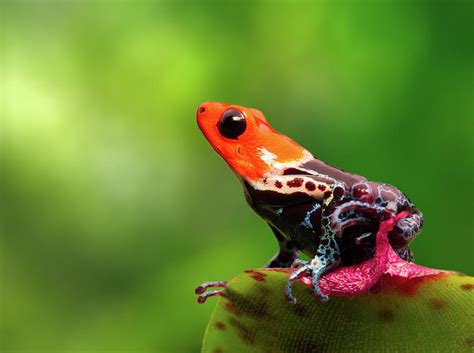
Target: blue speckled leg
x=327 y=257
x=297 y=274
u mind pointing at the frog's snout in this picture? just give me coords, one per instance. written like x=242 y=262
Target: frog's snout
x=213 y=109
x=203 y=112
x=201 y=116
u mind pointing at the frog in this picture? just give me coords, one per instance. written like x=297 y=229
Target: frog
x=312 y=208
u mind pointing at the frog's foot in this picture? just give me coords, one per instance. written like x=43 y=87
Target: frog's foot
x=203 y=294
x=406 y=229
x=314 y=269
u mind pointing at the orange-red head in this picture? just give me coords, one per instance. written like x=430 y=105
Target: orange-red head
x=244 y=139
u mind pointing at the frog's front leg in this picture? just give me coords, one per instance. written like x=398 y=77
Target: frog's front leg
x=327 y=257
x=287 y=253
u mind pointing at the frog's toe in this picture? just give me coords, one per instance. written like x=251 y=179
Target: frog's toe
x=203 y=295
x=298 y=263
x=317 y=291
x=297 y=274
x=289 y=293
x=316 y=275
x=305 y=270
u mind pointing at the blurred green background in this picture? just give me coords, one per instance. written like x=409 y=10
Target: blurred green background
x=114 y=207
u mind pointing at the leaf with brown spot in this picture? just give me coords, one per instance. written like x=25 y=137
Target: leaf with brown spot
x=433 y=314
x=402 y=305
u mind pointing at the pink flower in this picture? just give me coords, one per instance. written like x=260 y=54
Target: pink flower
x=384 y=266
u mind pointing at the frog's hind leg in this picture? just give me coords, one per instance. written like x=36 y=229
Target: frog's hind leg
x=327 y=257
x=355 y=212
x=287 y=253
x=404 y=232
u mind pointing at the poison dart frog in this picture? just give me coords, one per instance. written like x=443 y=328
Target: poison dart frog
x=328 y=214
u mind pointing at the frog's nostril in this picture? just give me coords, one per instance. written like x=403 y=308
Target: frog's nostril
x=202 y=110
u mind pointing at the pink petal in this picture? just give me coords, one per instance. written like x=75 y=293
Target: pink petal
x=358 y=279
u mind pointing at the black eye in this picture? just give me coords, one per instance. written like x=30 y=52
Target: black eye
x=232 y=124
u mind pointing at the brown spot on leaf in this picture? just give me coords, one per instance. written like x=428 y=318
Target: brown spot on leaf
x=230 y=307
x=258 y=276
x=300 y=310
x=467 y=286
x=256 y=307
x=408 y=286
x=217 y=350
x=386 y=315
x=470 y=342
x=219 y=325
x=245 y=334
x=437 y=304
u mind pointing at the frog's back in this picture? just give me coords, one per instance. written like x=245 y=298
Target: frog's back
x=321 y=168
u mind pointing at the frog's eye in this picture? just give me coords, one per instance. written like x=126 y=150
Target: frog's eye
x=232 y=124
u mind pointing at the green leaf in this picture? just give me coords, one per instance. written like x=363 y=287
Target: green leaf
x=433 y=313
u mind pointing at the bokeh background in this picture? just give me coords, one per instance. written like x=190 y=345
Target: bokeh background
x=114 y=207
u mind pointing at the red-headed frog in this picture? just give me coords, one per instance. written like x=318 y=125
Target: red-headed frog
x=311 y=207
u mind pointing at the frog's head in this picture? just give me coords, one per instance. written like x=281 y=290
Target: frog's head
x=245 y=140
